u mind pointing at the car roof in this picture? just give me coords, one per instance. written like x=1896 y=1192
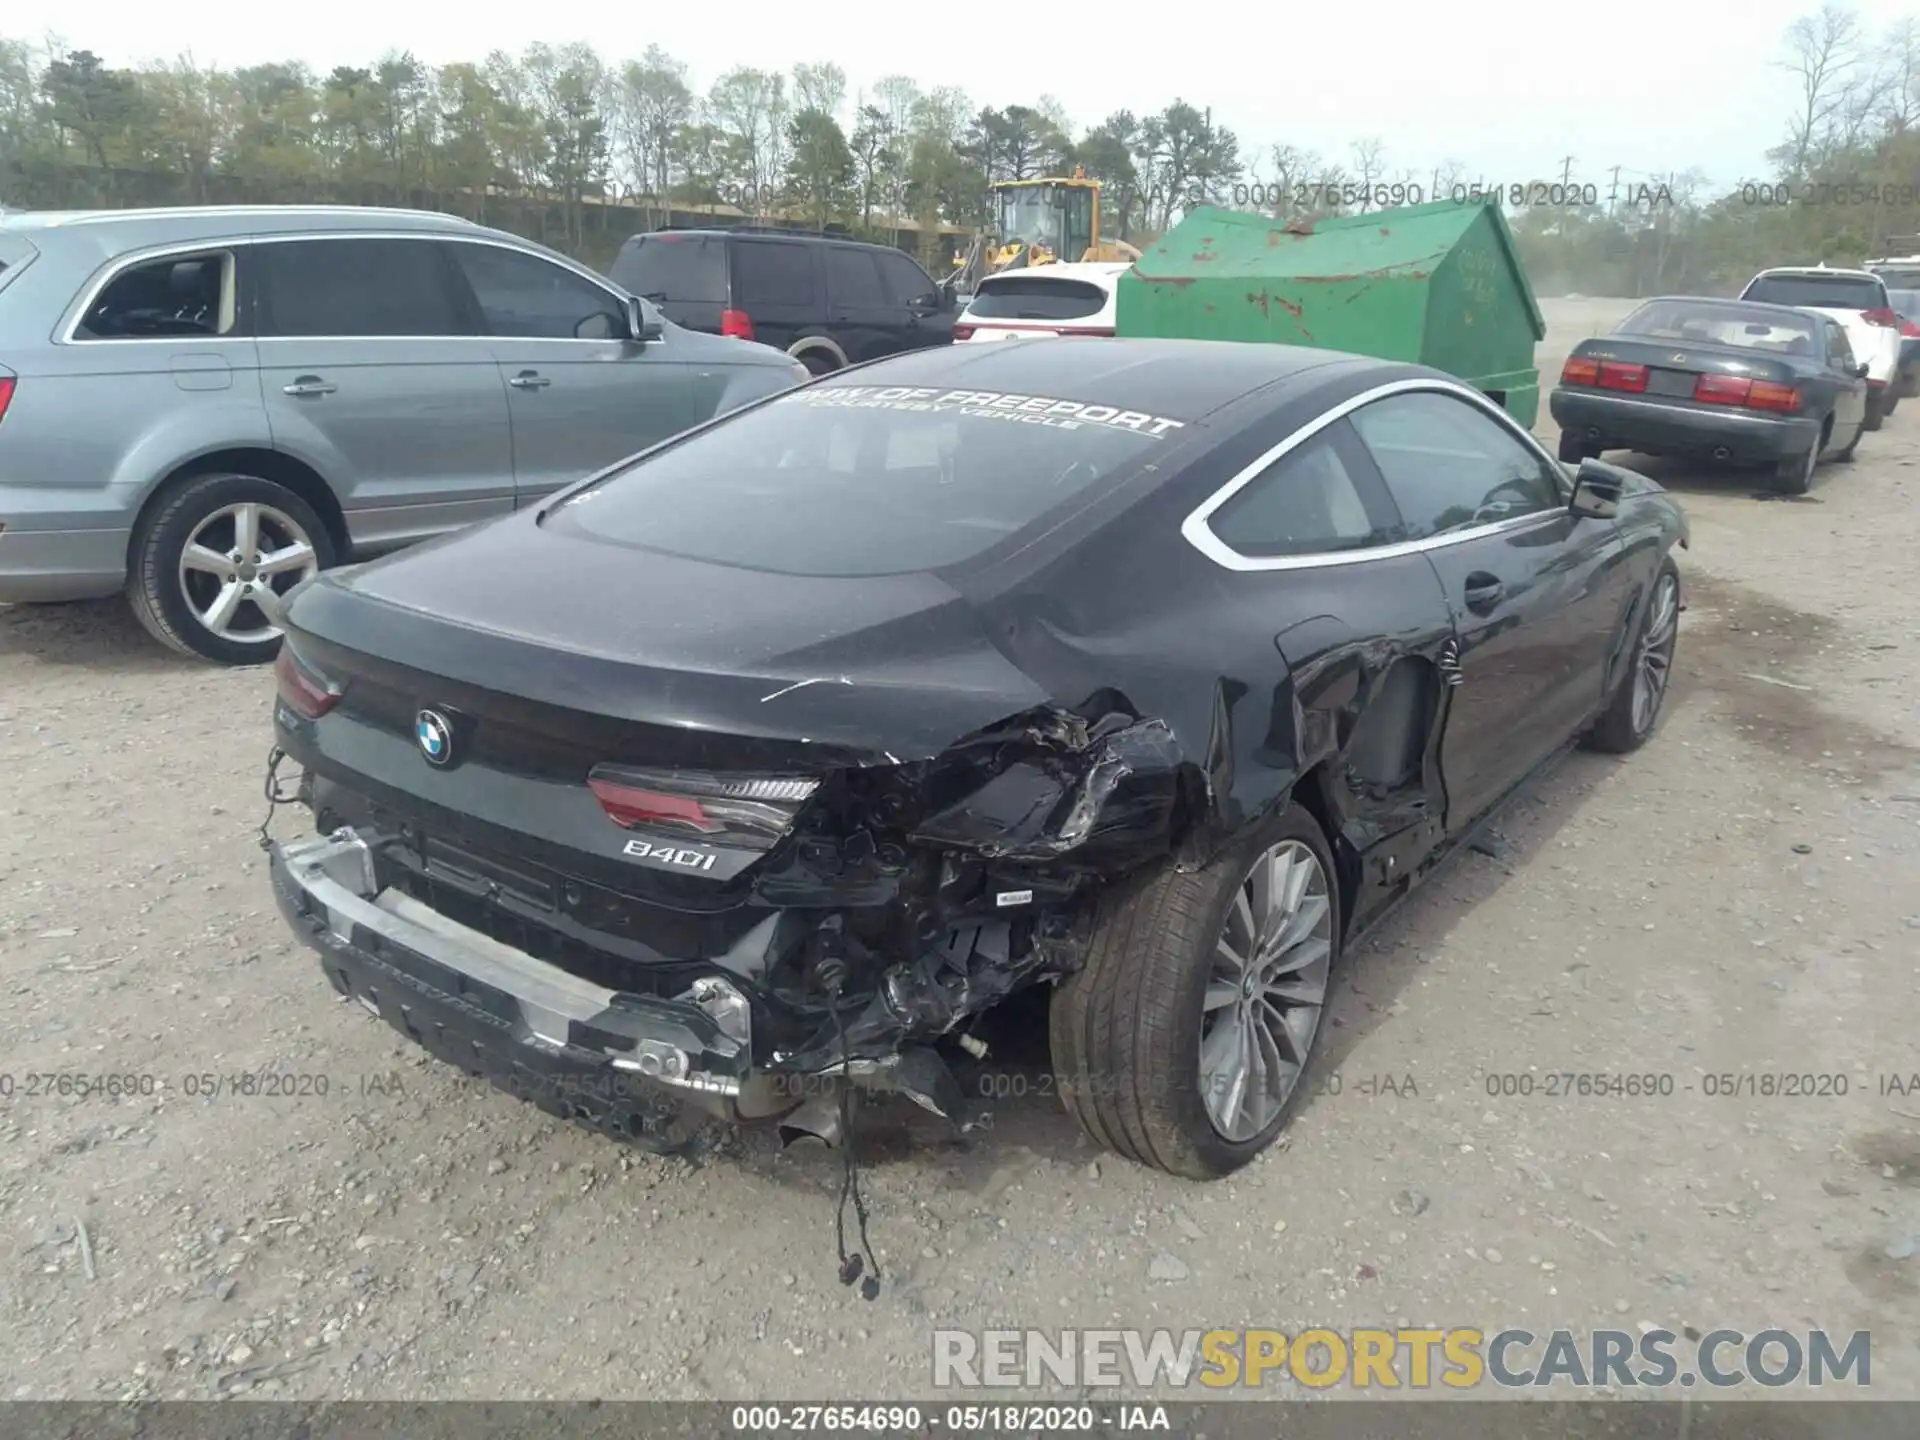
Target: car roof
x=1183 y=379
x=1797 y=311
x=263 y=217
x=749 y=232
x=107 y=234
x=1082 y=270
x=1837 y=271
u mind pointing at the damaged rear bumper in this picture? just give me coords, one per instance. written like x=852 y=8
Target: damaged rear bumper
x=573 y=1047
x=626 y=1064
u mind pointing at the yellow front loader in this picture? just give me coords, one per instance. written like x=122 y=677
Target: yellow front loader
x=1040 y=222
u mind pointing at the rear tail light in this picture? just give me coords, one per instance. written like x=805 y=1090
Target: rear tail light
x=1722 y=389
x=1908 y=330
x=963 y=332
x=305 y=693
x=736 y=323
x=1619 y=375
x=749 y=811
x=1882 y=316
x=1580 y=371
x=1750 y=394
x=6 y=394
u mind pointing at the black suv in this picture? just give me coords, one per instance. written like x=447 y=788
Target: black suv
x=825 y=301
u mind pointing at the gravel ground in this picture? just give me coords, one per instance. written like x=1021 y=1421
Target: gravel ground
x=1743 y=896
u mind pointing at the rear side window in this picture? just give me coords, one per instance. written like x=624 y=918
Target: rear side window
x=1839 y=351
x=772 y=272
x=355 y=287
x=673 y=269
x=1899 y=277
x=1818 y=292
x=180 y=295
x=857 y=480
x=1029 y=297
x=852 y=277
x=1306 y=503
x=1907 y=302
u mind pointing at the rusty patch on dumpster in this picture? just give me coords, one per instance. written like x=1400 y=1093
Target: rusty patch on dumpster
x=1166 y=279
x=1298 y=227
x=1298 y=312
x=1385 y=231
x=1258 y=298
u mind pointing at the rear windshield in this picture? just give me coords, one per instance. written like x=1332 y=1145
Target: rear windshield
x=1907 y=302
x=1697 y=323
x=1819 y=292
x=672 y=268
x=863 y=480
x=1899 y=277
x=1031 y=297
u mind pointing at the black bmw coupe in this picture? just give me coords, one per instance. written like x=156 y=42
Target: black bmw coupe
x=755 y=769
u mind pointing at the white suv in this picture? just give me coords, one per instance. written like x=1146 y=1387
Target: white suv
x=1857 y=300
x=1042 y=302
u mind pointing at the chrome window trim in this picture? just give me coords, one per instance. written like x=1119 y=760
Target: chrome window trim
x=134 y=258
x=1198 y=532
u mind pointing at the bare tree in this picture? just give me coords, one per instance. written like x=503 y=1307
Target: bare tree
x=1900 y=88
x=1289 y=166
x=1369 y=162
x=819 y=86
x=652 y=103
x=1823 y=53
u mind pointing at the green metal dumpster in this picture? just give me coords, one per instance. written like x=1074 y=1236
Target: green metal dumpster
x=1438 y=284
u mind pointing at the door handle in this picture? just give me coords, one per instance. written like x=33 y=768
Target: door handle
x=309 y=385
x=529 y=380
x=1484 y=591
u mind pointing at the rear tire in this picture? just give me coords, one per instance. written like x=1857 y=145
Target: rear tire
x=1573 y=449
x=1794 y=476
x=198 y=600
x=819 y=363
x=1845 y=457
x=1130 y=1028
x=1629 y=721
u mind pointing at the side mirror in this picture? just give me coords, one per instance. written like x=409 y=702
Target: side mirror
x=641 y=325
x=1859 y=371
x=1596 y=492
x=946 y=295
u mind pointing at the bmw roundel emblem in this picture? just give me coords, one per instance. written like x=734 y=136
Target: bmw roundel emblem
x=434 y=732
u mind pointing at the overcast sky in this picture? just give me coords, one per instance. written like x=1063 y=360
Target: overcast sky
x=1647 y=85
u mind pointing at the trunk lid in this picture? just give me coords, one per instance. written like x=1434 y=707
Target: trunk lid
x=569 y=655
x=1674 y=368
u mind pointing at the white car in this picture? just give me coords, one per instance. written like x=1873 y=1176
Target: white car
x=1042 y=302
x=1901 y=272
x=1857 y=300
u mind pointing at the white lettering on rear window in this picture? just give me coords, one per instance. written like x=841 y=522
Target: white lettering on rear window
x=985 y=405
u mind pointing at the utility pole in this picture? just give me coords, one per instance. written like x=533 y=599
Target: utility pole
x=1613 y=194
x=1566 y=172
